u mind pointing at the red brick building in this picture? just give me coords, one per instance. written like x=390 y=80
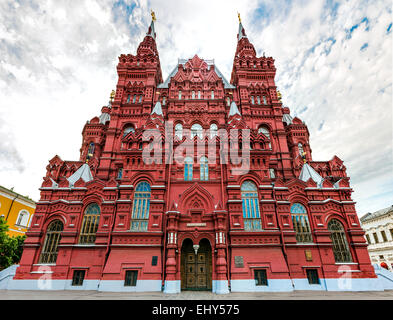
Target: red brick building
x=276 y=221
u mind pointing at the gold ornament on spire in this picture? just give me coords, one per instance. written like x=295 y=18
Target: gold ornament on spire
x=304 y=156
x=279 y=96
x=153 y=15
x=238 y=15
x=112 y=96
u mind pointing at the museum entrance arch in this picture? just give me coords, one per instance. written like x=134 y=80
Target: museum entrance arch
x=196 y=265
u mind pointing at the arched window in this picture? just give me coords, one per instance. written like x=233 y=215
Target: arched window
x=140 y=99
x=213 y=130
x=212 y=94
x=193 y=94
x=91 y=148
x=252 y=100
x=188 y=161
x=266 y=133
x=339 y=241
x=179 y=94
x=204 y=169
x=128 y=98
x=199 y=94
x=134 y=99
x=91 y=218
x=264 y=100
x=196 y=130
x=300 y=223
x=228 y=101
x=52 y=239
x=300 y=146
x=163 y=101
x=23 y=218
x=179 y=131
x=250 y=205
x=258 y=99
x=127 y=130
x=140 y=210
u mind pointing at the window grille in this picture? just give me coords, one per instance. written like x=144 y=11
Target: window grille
x=339 y=241
x=300 y=223
x=250 y=205
x=52 y=239
x=78 y=277
x=141 y=206
x=90 y=223
x=204 y=169
x=188 y=169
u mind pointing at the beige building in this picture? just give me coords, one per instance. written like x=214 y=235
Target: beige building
x=379 y=234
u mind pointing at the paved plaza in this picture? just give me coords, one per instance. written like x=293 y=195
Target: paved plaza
x=193 y=295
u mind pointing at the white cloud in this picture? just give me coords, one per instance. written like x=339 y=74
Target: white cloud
x=58 y=65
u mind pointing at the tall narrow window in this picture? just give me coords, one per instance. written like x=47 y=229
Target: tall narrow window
x=258 y=99
x=140 y=99
x=134 y=99
x=300 y=147
x=212 y=94
x=163 y=101
x=375 y=237
x=196 y=130
x=312 y=276
x=141 y=206
x=384 y=238
x=199 y=94
x=193 y=94
x=90 y=150
x=120 y=173
x=339 y=241
x=179 y=130
x=204 y=169
x=52 y=239
x=250 y=205
x=228 y=101
x=300 y=223
x=90 y=222
x=188 y=161
x=252 y=100
x=213 y=130
x=128 y=98
x=264 y=100
x=179 y=94
x=266 y=133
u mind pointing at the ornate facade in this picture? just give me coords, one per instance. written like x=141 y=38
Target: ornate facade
x=116 y=221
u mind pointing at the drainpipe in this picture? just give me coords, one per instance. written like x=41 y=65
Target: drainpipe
x=9 y=210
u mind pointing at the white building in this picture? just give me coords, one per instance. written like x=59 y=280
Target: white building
x=379 y=234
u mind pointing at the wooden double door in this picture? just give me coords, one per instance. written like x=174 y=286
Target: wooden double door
x=196 y=267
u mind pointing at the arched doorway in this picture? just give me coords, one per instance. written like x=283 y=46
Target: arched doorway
x=196 y=265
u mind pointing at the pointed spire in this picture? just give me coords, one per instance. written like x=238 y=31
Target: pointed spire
x=83 y=173
x=242 y=33
x=151 y=32
x=234 y=109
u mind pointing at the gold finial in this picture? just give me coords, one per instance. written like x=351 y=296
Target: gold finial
x=304 y=156
x=238 y=15
x=279 y=96
x=112 y=96
x=153 y=15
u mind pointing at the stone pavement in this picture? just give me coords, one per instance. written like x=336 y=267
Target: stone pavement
x=193 y=295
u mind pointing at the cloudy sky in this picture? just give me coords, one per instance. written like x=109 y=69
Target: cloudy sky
x=334 y=69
